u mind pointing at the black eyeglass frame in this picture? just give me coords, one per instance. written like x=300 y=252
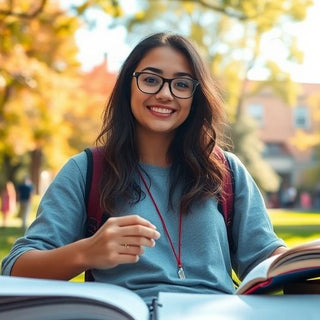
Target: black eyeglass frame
x=195 y=83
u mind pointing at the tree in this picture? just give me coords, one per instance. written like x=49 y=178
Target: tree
x=41 y=95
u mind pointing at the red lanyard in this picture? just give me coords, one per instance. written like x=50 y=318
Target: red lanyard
x=177 y=256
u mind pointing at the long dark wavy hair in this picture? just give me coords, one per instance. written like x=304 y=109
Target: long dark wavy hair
x=194 y=163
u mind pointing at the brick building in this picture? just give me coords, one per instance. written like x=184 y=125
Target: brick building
x=100 y=80
x=278 y=123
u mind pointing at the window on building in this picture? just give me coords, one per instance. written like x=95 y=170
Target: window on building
x=256 y=112
x=274 y=150
x=301 y=117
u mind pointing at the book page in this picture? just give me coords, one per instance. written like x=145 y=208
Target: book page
x=257 y=274
x=304 y=248
x=91 y=294
x=306 y=255
x=188 y=306
x=298 y=264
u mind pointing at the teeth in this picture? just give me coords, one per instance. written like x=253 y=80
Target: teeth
x=161 y=110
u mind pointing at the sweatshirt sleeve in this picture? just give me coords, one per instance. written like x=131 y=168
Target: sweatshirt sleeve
x=61 y=216
x=252 y=231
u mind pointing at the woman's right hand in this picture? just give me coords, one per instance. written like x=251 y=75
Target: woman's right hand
x=120 y=240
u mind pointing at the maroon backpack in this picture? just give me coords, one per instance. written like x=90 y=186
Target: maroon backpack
x=96 y=217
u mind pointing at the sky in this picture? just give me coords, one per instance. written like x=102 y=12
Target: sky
x=308 y=39
x=93 y=48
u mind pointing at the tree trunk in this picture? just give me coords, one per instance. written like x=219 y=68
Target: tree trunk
x=35 y=167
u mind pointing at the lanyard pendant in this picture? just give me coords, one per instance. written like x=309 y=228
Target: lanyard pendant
x=181 y=273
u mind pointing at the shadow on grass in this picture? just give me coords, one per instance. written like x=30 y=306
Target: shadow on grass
x=299 y=230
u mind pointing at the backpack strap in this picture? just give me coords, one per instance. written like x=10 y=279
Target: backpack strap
x=226 y=201
x=96 y=217
x=226 y=204
x=92 y=192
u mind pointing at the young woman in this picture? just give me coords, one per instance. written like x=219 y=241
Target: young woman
x=159 y=186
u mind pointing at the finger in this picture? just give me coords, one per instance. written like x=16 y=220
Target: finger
x=140 y=231
x=134 y=220
x=128 y=249
x=137 y=241
x=127 y=258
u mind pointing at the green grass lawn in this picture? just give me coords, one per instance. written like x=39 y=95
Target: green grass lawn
x=292 y=227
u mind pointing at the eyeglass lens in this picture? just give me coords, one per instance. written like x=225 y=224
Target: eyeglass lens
x=151 y=83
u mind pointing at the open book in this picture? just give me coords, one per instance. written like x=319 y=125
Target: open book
x=298 y=263
x=35 y=299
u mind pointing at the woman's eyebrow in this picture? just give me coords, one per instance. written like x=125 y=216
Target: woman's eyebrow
x=159 y=71
x=182 y=74
x=152 y=69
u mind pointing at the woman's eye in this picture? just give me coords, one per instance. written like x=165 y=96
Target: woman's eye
x=183 y=84
x=151 y=80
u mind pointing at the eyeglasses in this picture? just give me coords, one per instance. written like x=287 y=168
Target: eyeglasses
x=150 y=83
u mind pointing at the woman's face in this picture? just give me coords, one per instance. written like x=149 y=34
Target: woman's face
x=161 y=112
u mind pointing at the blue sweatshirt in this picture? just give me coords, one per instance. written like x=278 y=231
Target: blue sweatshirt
x=205 y=253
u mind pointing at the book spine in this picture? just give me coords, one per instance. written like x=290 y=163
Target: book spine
x=154 y=315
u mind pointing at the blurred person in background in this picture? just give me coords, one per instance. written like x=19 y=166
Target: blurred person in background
x=8 y=202
x=25 y=191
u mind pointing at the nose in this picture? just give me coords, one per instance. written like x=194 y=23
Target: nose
x=165 y=92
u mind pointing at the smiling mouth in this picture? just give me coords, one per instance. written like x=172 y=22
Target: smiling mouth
x=161 y=110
